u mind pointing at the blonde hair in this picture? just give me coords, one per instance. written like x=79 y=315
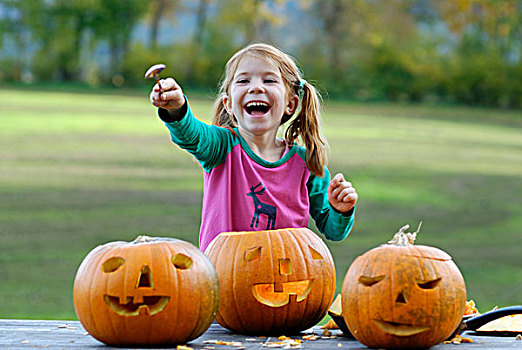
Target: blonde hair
x=305 y=127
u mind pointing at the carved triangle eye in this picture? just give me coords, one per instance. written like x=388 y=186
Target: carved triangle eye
x=370 y=281
x=315 y=254
x=429 y=284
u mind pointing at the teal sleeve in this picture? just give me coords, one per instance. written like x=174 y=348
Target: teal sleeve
x=333 y=224
x=209 y=144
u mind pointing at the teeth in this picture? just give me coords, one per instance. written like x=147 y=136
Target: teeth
x=257 y=104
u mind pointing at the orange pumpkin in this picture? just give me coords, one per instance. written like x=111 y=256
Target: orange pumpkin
x=145 y=292
x=402 y=295
x=272 y=282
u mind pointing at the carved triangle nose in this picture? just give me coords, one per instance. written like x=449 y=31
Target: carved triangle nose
x=145 y=278
x=401 y=298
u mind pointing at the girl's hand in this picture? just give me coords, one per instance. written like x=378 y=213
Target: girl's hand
x=170 y=96
x=341 y=194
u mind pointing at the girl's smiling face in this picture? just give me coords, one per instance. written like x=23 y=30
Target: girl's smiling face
x=258 y=96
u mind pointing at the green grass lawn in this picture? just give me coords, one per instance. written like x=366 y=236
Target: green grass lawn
x=79 y=170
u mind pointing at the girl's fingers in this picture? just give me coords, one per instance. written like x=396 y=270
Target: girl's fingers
x=169 y=95
x=337 y=179
x=154 y=98
x=347 y=194
x=336 y=189
x=168 y=84
x=351 y=197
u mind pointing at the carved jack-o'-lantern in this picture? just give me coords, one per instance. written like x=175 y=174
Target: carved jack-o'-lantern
x=149 y=291
x=275 y=281
x=403 y=296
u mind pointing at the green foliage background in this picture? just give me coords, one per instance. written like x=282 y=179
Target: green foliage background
x=466 y=51
x=82 y=169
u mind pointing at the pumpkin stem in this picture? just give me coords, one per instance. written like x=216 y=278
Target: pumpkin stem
x=143 y=239
x=403 y=238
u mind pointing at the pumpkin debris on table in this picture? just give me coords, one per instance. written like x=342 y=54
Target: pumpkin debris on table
x=183 y=347
x=311 y=337
x=458 y=339
x=330 y=325
x=284 y=342
x=470 y=308
x=221 y=342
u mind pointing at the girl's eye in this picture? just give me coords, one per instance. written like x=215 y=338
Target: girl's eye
x=242 y=81
x=270 y=81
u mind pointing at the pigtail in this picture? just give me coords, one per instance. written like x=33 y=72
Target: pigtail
x=306 y=126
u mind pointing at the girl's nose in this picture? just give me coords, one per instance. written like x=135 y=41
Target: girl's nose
x=256 y=86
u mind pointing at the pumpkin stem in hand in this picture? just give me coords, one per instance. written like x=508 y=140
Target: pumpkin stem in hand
x=402 y=238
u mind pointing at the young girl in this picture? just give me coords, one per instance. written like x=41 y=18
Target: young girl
x=253 y=179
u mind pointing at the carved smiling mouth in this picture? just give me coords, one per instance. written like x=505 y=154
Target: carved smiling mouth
x=257 y=108
x=265 y=292
x=400 y=329
x=150 y=305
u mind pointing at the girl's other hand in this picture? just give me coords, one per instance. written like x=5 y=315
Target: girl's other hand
x=341 y=194
x=170 y=96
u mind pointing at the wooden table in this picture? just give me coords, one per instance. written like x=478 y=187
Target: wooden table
x=33 y=334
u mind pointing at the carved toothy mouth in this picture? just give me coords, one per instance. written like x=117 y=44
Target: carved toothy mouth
x=150 y=306
x=400 y=329
x=265 y=292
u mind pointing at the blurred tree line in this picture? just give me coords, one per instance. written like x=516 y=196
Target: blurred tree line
x=461 y=51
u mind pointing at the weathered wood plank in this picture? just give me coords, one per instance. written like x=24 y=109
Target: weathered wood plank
x=33 y=334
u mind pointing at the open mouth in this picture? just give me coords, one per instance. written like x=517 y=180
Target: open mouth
x=257 y=108
x=150 y=305
x=266 y=294
x=400 y=329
